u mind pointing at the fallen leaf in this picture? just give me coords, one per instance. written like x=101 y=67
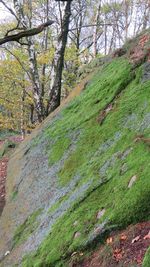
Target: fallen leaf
x=117 y=250
x=135 y=239
x=100 y=213
x=132 y=181
x=147 y=236
x=75 y=223
x=109 y=240
x=139 y=260
x=117 y=254
x=77 y=234
x=7 y=252
x=81 y=254
x=123 y=237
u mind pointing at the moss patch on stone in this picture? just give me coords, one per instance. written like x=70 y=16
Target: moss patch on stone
x=6 y=147
x=109 y=154
x=24 y=230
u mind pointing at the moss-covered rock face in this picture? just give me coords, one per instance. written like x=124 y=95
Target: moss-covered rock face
x=6 y=147
x=26 y=229
x=86 y=169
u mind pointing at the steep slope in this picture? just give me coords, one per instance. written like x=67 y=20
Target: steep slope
x=84 y=172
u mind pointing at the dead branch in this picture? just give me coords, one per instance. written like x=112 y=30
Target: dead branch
x=27 y=33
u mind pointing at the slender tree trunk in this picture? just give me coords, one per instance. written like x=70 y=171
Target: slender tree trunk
x=146 y=15
x=31 y=117
x=36 y=85
x=26 y=22
x=96 y=30
x=126 y=20
x=105 y=32
x=22 y=122
x=56 y=75
x=45 y=46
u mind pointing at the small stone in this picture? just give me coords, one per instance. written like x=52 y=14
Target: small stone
x=132 y=181
x=135 y=239
x=100 y=213
x=109 y=108
x=147 y=236
x=73 y=254
x=97 y=230
x=109 y=240
x=75 y=223
x=77 y=234
x=123 y=169
x=7 y=253
x=81 y=254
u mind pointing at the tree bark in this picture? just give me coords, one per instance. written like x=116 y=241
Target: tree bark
x=96 y=30
x=56 y=75
x=26 y=21
x=36 y=84
x=22 y=119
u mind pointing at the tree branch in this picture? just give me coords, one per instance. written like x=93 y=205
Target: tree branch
x=14 y=29
x=19 y=61
x=16 y=37
x=93 y=25
x=9 y=9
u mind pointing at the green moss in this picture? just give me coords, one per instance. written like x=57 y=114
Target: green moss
x=57 y=204
x=146 y=261
x=6 y=147
x=59 y=149
x=107 y=154
x=24 y=230
x=4 y=134
x=14 y=194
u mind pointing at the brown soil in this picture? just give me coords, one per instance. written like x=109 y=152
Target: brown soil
x=141 y=50
x=3 y=171
x=123 y=249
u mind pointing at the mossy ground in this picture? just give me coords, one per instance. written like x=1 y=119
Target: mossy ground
x=107 y=154
x=24 y=230
x=6 y=148
x=4 y=134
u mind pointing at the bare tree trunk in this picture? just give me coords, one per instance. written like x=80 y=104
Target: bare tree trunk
x=105 y=32
x=37 y=90
x=56 y=75
x=146 y=14
x=22 y=122
x=96 y=30
x=31 y=117
x=26 y=21
x=112 y=41
x=45 y=46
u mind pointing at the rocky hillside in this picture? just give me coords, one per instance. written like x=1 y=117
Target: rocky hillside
x=85 y=172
